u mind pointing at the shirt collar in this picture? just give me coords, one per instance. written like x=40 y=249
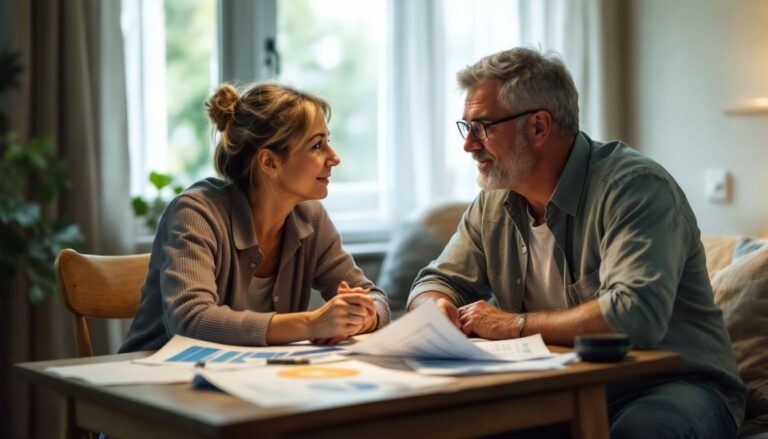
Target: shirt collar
x=296 y=226
x=243 y=232
x=570 y=186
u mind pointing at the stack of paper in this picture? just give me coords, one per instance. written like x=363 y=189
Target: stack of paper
x=427 y=339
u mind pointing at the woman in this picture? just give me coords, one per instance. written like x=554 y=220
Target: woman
x=233 y=260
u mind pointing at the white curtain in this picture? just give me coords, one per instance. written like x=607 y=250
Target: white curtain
x=413 y=104
x=116 y=218
x=586 y=33
x=433 y=39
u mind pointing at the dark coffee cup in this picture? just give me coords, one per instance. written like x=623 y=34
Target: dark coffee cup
x=602 y=347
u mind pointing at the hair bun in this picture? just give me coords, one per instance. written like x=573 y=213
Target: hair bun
x=221 y=107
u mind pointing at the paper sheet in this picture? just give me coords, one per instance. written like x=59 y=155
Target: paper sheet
x=178 y=360
x=464 y=367
x=347 y=382
x=426 y=333
x=185 y=350
x=125 y=372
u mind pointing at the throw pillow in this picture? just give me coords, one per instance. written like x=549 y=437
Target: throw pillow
x=741 y=291
x=415 y=245
x=719 y=250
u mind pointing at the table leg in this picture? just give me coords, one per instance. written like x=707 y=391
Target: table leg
x=68 y=424
x=591 y=420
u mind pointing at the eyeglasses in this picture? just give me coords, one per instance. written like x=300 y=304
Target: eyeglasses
x=479 y=128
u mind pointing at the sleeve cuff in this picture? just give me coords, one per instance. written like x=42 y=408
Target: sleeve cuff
x=435 y=286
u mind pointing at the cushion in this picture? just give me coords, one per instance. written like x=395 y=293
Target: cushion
x=741 y=291
x=719 y=251
x=414 y=246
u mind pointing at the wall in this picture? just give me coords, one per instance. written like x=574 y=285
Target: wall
x=688 y=60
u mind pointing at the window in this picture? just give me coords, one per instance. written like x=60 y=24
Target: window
x=386 y=66
x=334 y=48
x=172 y=67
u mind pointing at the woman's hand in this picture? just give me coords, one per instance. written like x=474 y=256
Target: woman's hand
x=372 y=319
x=346 y=314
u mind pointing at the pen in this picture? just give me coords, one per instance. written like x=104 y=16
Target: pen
x=288 y=360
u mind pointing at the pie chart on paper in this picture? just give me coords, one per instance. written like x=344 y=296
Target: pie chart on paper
x=317 y=372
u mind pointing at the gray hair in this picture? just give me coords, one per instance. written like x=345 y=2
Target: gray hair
x=529 y=79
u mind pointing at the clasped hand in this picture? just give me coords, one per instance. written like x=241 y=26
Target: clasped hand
x=350 y=312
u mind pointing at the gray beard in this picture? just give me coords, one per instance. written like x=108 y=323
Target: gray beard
x=506 y=176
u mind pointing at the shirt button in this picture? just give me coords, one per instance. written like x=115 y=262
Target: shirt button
x=276 y=299
x=518 y=281
x=253 y=265
x=524 y=249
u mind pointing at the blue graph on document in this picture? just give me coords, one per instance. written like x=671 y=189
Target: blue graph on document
x=194 y=354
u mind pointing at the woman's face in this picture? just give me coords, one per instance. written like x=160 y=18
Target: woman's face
x=307 y=170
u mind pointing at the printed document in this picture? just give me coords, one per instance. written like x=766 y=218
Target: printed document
x=347 y=382
x=182 y=350
x=426 y=333
x=464 y=367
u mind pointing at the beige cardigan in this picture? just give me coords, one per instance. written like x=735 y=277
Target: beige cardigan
x=203 y=259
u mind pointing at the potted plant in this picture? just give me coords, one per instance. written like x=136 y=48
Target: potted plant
x=149 y=210
x=31 y=176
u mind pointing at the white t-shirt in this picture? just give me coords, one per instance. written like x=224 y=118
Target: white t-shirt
x=544 y=290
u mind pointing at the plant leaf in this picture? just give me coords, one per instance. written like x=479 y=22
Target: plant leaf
x=140 y=207
x=26 y=214
x=160 y=180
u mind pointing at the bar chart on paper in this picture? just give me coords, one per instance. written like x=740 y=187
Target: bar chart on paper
x=193 y=354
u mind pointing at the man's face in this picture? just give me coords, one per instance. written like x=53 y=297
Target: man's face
x=504 y=157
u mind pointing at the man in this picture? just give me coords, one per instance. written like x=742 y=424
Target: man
x=572 y=236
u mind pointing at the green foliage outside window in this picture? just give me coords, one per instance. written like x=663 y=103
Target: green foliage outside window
x=149 y=210
x=337 y=58
x=190 y=30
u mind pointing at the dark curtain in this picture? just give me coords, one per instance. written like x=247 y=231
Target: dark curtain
x=64 y=88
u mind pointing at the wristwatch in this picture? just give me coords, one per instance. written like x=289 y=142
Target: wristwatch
x=520 y=323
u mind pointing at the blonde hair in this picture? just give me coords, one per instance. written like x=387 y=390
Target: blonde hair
x=268 y=116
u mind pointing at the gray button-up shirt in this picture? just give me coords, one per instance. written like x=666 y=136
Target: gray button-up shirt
x=625 y=236
x=202 y=264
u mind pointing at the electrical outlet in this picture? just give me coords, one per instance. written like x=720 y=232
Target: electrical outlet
x=716 y=184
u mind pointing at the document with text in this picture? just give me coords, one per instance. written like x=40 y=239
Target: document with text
x=426 y=333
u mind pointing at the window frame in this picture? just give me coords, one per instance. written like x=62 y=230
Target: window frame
x=241 y=62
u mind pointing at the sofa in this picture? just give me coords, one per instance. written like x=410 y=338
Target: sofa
x=738 y=269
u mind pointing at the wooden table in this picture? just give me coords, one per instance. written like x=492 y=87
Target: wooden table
x=470 y=406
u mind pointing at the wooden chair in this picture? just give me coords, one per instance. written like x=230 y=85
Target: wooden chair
x=106 y=287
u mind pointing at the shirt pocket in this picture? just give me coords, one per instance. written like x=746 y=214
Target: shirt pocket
x=585 y=289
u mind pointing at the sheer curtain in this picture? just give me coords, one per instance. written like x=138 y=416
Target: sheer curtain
x=433 y=39
x=72 y=89
x=587 y=34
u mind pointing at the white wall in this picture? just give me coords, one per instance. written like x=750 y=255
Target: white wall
x=688 y=61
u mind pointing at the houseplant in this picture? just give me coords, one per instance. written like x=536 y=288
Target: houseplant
x=31 y=176
x=148 y=210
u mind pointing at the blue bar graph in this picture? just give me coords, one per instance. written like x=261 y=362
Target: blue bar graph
x=194 y=354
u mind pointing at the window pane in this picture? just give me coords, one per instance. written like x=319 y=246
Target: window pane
x=190 y=28
x=332 y=48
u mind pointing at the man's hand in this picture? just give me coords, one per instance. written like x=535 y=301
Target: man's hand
x=443 y=302
x=487 y=321
x=449 y=310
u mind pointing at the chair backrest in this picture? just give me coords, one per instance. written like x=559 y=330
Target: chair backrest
x=106 y=287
